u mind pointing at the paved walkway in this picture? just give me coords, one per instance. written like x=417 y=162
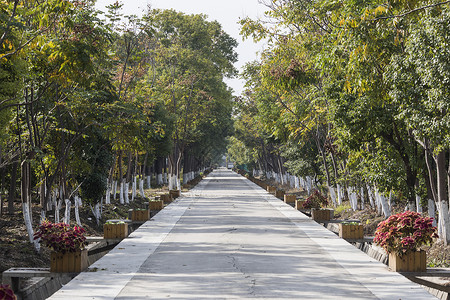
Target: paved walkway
x=229 y=239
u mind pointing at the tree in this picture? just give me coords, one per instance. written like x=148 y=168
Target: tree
x=191 y=58
x=420 y=89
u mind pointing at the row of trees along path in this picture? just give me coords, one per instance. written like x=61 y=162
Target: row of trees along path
x=92 y=103
x=353 y=97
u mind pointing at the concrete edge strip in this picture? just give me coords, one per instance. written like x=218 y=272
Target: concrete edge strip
x=371 y=273
x=106 y=278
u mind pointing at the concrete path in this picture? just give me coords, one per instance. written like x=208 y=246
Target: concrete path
x=229 y=239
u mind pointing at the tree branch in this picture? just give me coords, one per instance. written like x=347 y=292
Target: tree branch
x=411 y=11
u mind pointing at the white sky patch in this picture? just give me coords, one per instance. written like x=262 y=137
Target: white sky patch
x=227 y=13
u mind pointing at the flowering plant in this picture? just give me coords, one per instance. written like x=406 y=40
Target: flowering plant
x=315 y=200
x=6 y=292
x=405 y=232
x=60 y=237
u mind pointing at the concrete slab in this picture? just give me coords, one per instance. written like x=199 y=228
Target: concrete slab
x=229 y=239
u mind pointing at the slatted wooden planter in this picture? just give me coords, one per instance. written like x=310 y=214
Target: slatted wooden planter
x=319 y=214
x=351 y=231
x=140 y=215
x=299 y=204
x=70 y=262
x=290 y=198
x=156 y=205
x=166 y=198
x=115 y=230
x=410 y=262
x=271 y=189
x=175 y=194
x=279 y=194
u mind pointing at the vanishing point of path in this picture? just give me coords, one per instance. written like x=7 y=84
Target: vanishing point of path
x=230 y=239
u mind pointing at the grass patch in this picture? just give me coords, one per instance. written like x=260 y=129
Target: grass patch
x=342 y=208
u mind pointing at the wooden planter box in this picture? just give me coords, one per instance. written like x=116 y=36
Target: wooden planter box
x=166 y=198
x=351 y=231
x=411 y=262
x=156 y=205
x=299 y=204
x=142 y=215
x=175 y=194
x=290 y=198
x=321 y=214
x=271 y=189
x=279 y=194
x=115 y=231
x=71 y=262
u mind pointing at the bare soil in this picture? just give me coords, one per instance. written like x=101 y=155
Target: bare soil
x=16 y=249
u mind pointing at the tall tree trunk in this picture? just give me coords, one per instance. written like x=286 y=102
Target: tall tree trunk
x=120 y=178
x=444 y=223
x=12 y=188
x=159 y=170
x=26 y=201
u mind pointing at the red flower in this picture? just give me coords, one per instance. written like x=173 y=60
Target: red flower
x=60 y=237
x=405 y=232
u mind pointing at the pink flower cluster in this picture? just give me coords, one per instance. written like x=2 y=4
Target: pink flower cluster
x=315 y=200
x=405 y=232
x=6 y=292
x=60 y=237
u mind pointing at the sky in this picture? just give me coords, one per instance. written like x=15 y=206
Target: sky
x=226 y=12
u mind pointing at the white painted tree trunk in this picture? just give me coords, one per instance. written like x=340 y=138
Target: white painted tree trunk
x=78 y=203
x=174 y=182
x=133 y=188
x=353 y=198
x=149 y=179
x=58 y=209
x=165 y=178
x=159 y=179
x=108 y=195
x=378 y=202
x=432 y=210
x=384 y=205
x=121 y=198
x=186 y=178
x=96 y=212
x=332 y=195
x=115 y=190
x=27 y=219
x=362 y=198
x=443 y=222
x=53 y=200
x=339 y=194
x=126 y=189
x=391 y=200
x=171 y=185
x=67 y=212
x=370 y=194
x=141 y=188
x=178 y=184
x=29 y=226
x=418 y=205
x=297 y=183
x=308 y=184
